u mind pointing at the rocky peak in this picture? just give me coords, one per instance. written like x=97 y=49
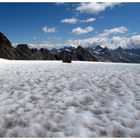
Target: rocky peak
x=44 y=50
x=119 y=49
x=4 y=41
x=22 y=46
x=80 y=48
x=83 y=55
x=6 y=49
x=98 y=48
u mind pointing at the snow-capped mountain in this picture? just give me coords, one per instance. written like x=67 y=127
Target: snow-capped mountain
x=117 y=55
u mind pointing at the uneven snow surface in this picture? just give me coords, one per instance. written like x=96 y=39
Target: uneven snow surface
x=82 y=99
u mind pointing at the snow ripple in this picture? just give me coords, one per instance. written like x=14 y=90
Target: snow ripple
x=82 y=99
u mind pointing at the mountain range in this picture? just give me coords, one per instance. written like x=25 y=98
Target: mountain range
x=97 y=53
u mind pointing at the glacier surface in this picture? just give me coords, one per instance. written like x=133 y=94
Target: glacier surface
x=81 y=99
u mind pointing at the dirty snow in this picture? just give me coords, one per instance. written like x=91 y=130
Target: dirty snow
x=82 y=99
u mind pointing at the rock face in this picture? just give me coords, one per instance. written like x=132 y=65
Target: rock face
x=47 y=55
x=62 y=55
x=6 y=49
x=24 y=53
x=82 y=55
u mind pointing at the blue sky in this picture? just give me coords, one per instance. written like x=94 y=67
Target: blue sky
x=62 y=23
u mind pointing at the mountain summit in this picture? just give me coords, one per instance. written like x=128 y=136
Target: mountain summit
x=6 y=49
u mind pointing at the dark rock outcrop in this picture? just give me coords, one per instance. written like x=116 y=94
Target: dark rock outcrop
x=47 y=55
x=82 y=55
x=22 y=52
x=6 y=49
x=66 y=56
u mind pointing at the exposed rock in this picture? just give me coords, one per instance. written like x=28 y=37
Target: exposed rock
x=47 y=55
x=83 y=55
x=6 y=49
x=67 y=57
x=22 y=52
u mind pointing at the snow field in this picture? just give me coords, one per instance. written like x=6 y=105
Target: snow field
x=82 y=99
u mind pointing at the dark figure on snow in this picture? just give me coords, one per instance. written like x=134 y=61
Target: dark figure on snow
x=67 y=58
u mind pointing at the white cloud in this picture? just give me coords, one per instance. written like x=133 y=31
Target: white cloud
x=111 y=38
x=75 y=20
x=47 y=30
x=135 y=41
x=95 y=7
x=113 y=43
x=88 y=20
x=116 y=30
x=69 y=20
x=79 y=30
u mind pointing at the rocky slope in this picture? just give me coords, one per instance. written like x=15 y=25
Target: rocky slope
x=23 y=52
x=6 y=49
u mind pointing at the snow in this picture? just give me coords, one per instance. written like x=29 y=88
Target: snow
x=81 y=99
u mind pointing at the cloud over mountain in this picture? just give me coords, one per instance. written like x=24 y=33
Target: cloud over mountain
x=110 y=38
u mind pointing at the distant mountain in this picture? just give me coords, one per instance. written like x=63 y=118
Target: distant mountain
x=78 y=53
x=65 y=48
x=98 y=53
x=136 y=51
x=117 y=55
x=54 y=51
x=83 y=55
